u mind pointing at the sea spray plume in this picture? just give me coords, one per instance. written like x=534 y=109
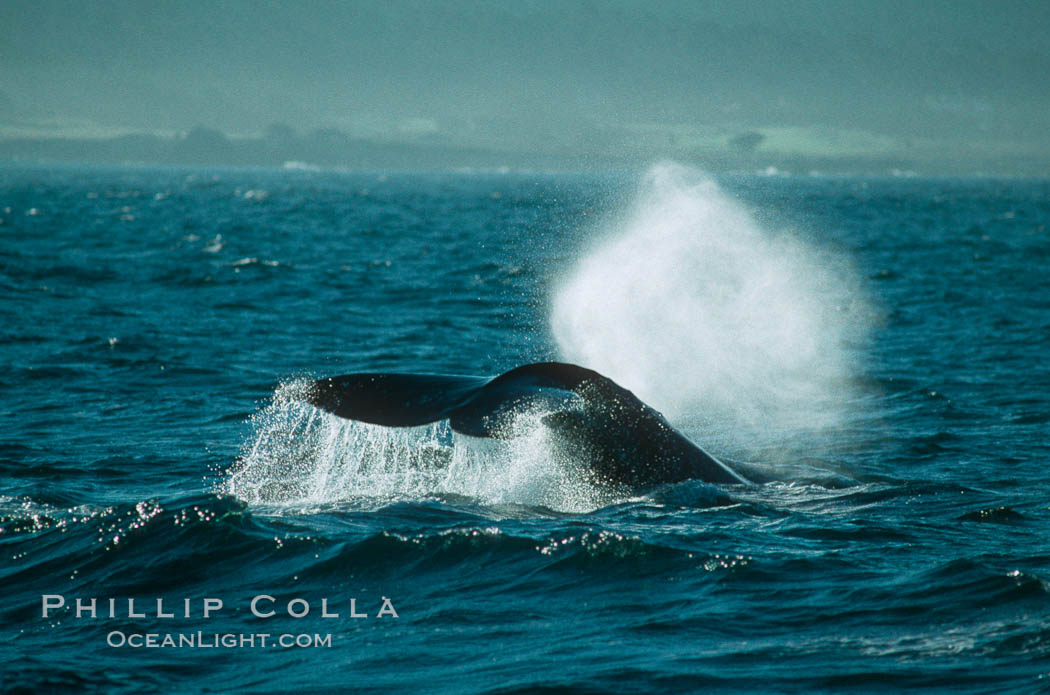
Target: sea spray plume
x=688 y=301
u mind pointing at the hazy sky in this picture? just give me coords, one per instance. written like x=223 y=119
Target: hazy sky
x=535 y=74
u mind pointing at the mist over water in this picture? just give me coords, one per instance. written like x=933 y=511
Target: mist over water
x=708 y=315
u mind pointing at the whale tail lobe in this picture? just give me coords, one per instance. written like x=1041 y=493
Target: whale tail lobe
x=476 y=406
x=394 y=400
x=628 y=441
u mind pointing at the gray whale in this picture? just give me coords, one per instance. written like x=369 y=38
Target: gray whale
x=623 y=440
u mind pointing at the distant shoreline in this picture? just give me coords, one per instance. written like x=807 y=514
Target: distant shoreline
x=331 y=149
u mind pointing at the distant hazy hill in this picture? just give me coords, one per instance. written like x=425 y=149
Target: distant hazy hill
x=590 y=78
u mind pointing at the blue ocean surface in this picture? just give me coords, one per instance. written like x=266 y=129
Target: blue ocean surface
x=872 y=352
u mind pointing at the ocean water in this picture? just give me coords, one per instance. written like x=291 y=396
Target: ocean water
x=871 y=352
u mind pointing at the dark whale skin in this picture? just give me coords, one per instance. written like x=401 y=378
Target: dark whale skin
x=623 y=440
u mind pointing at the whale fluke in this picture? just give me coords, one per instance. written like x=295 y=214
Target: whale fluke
x=624 y=440
x=394 y=400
